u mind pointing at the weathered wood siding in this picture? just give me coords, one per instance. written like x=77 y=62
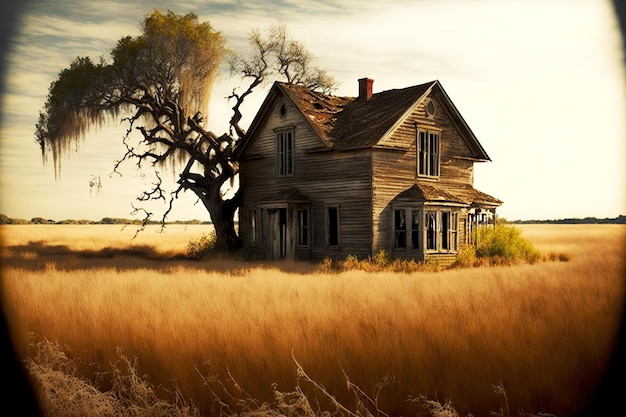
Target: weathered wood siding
x=360 y=183
x=395 y=169
x=327 y=178
x=453 y=148
x=392 y=173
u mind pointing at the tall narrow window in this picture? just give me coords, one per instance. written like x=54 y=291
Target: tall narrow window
x=332 y=226
x=284 y=151
x=431 y=230
x=415 y=229
x=428 y=154
x=303 y=227
x=445 y=227
x=400 y=228
x=433 y=167
x=453 y=231
x=422 y=161
x=253 y=227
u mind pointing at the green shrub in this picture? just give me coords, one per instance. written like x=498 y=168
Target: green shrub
x=201 y=247
x=466 y=256
x=504 y=244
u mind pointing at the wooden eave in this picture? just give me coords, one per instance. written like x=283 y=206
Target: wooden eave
x=477 y=198
x=462 y=126
x=445 y=194
x=319 y=150
x=390 y=148
x=468 y=158
x=257 y=122
x=291 y=197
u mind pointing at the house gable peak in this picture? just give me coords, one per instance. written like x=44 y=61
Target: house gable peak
x=347 y=123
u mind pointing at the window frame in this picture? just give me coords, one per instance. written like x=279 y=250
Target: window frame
x=337 y=227
x=285 y=150
x=253 y=229
x=449 y=231
x=304 y=232
x=432 y=235
x=432 y=230
x=428 y=152
x=416 y=234
x=412 y=233
x=400 y=235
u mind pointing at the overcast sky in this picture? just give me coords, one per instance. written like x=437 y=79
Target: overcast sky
x=540 y=82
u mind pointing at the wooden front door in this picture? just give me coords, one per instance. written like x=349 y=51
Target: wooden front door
x=280 y=233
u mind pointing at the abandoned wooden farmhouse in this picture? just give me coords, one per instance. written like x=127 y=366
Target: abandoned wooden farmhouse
x=326 y=176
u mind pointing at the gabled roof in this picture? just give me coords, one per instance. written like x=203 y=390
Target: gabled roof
x=347 y=123
x=478 y=198
x=460 y=193
x=320 y=110
x=365 y=122
x=428 y=192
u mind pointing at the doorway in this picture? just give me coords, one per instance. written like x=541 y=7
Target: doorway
x=279 y=233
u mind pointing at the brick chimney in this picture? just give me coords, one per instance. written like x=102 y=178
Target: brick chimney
x=365 y=88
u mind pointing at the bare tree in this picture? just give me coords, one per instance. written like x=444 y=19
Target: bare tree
x=159 y=83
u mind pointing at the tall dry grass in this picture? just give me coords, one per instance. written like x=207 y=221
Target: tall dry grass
x=165 y=241
x=544 y=331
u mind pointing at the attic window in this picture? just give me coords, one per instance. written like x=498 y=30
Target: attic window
x=282 y=110
x=430 y=108
x=285 y=151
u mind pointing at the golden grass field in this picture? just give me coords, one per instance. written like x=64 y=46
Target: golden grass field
x=545 y=332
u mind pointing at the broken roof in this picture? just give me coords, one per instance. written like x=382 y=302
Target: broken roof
x=346 y=123
x=349 y=123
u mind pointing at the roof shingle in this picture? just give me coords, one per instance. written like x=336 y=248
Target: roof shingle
x=345 y=123
x=461 y=193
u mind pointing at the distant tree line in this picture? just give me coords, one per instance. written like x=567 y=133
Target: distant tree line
x=621 y=219
x=4 y=219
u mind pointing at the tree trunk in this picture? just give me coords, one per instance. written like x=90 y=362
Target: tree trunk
x=223 y=219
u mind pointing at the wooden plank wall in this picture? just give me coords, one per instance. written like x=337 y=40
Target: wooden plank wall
x=395 y=170
x=327 y=178
x=361 y=183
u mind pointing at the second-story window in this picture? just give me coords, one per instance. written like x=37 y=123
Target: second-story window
x=428 y=153
x=285 y=151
